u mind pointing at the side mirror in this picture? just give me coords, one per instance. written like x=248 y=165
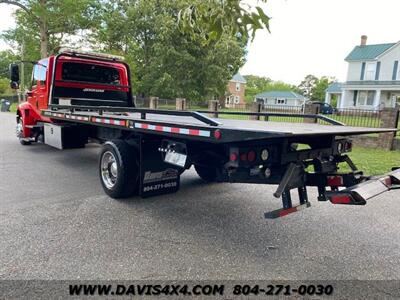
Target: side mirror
x=14 y=76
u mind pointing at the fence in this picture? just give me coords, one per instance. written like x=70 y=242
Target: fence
x=358 y=117
x=351 y=117
x=283 y=113
x=285 y=109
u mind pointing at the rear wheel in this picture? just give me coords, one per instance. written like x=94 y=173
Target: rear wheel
x=208 y=174
x=119 y=169
x=19 y=130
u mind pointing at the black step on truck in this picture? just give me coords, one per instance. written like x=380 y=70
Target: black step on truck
x=80 y=97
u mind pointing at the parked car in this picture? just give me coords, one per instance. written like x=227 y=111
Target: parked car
x=324 y=108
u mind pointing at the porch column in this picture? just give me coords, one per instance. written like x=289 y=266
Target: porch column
x=339 y=100
x=328 y=97
x=377 y=99
x=343 y=99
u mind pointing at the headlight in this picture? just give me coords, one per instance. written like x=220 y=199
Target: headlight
x=264 y=154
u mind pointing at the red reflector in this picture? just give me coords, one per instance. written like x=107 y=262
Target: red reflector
x=251 y=156
x=233 y=157
x=243 y=156
x=387 y=181
x=335 y=180
x=340 y=199
x=194 y=131
x=217 y=134
x=287 y=211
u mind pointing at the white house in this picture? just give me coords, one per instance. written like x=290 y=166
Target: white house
x=280 y=98
x=373 y=77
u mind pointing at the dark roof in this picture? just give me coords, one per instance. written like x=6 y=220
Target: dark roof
x=238 y=78
x=335 y=87
x=368 y=52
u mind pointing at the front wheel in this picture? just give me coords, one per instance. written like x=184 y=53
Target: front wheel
x=19 y=130
x=119 y=169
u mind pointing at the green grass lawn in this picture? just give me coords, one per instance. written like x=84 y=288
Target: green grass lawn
x=13 y=107
x=373 y=161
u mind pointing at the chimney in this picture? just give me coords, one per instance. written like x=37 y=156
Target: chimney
x=364 y=40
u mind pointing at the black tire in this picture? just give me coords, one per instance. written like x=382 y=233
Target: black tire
x=24 y=143
x=19 y=132
x=208 y=174
x=119 y=180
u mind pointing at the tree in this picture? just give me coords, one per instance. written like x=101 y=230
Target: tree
x=48 y=21
x=165 y=61
x=6 y=58
x=318 y=92
x=314 y=88
x=233 y=17
x=307 y=85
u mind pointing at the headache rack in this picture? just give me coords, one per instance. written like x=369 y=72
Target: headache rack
x=143 y=112
x=198 y=114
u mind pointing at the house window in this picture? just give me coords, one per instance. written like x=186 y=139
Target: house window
x=237 y=86
x=237 y=99
x=366 y=98
x=280 y=101
x=370 y=71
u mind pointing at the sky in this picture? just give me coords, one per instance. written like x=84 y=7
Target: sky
x=307 y=36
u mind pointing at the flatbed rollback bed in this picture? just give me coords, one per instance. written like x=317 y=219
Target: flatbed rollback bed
x=145 y=151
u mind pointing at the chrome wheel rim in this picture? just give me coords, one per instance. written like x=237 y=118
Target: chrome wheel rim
x=109 y=169
x=19 y=129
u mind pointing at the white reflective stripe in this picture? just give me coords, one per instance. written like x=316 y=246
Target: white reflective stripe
x=186 y=131
x=204 y=133
x=107 y=121
x=183 y=130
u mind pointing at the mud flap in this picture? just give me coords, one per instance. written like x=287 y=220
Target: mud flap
x=156 y=176
x=360 y=193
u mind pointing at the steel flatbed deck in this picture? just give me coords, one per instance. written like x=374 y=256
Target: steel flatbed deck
x=175 y=123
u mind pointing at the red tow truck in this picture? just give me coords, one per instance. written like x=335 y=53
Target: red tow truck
x=80 y=97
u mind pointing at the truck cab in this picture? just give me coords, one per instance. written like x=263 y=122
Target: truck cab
x=71 y=78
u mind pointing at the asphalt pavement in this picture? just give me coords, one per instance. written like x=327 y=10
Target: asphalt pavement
x=57 y=223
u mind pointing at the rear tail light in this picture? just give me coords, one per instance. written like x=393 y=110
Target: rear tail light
x=335 y=180
x=251 y=156
x=233 y=156
x=217 y=134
